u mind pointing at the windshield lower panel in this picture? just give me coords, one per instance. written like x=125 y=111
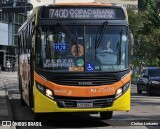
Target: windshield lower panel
x=74 y=48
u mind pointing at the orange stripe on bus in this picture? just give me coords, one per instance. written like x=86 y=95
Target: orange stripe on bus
x=39 y=79
x=82 y=91
x=127 y=78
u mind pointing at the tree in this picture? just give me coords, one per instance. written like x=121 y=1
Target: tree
x=145 y=26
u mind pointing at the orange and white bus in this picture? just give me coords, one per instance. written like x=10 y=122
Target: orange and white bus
x=64 y=62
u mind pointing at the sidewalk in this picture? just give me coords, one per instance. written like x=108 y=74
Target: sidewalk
x=5 y=108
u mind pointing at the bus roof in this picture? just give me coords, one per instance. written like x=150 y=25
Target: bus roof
x=84 y=4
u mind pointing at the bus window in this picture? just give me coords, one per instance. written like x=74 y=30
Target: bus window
x=38 y=50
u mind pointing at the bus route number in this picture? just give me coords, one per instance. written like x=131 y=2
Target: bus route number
x=60 y=13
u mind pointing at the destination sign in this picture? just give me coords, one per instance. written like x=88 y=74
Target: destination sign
x=83 y=13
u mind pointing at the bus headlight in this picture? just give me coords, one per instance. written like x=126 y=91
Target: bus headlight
x=122 y=90
x=119 y=92
x=45 y=91
x=49 y=93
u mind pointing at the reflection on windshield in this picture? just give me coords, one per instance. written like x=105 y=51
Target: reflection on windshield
x=56 y=51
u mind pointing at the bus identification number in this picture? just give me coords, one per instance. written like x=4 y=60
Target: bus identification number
x=107 y=89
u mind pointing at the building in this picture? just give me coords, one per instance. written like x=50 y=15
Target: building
x=9 y=25
x=132 y=4
x=3 y=41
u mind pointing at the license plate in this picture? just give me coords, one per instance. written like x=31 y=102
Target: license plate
x=84 y=104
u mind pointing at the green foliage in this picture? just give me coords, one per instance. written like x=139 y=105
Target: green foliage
x=145 y=26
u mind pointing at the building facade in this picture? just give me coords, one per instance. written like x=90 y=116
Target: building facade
x=9 y=25
x=132 y=4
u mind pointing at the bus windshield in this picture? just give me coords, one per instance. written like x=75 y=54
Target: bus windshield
x=76 y=50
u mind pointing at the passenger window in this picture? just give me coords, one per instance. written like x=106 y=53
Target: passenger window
x=146 y=72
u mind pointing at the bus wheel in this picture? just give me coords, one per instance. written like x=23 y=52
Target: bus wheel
x=106 y=115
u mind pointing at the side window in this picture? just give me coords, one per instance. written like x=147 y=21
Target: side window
x=143 y=72
x=38 y=49
x=146 y=72
x=22 y=42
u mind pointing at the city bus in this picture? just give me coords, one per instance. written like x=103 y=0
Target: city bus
x=64 y=65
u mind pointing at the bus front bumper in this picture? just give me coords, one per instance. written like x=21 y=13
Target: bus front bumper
x=43 y=104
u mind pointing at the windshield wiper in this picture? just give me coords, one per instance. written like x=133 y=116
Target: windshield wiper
x=67 y=32
x=102 y=32
x=70 y=36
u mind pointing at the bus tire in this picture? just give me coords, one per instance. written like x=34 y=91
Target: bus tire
x=106 y=115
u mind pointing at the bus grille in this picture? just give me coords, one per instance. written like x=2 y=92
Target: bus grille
x=83 y=81
x=97 y=103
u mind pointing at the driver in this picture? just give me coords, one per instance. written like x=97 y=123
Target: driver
x=105 y=54
x=107 y=46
